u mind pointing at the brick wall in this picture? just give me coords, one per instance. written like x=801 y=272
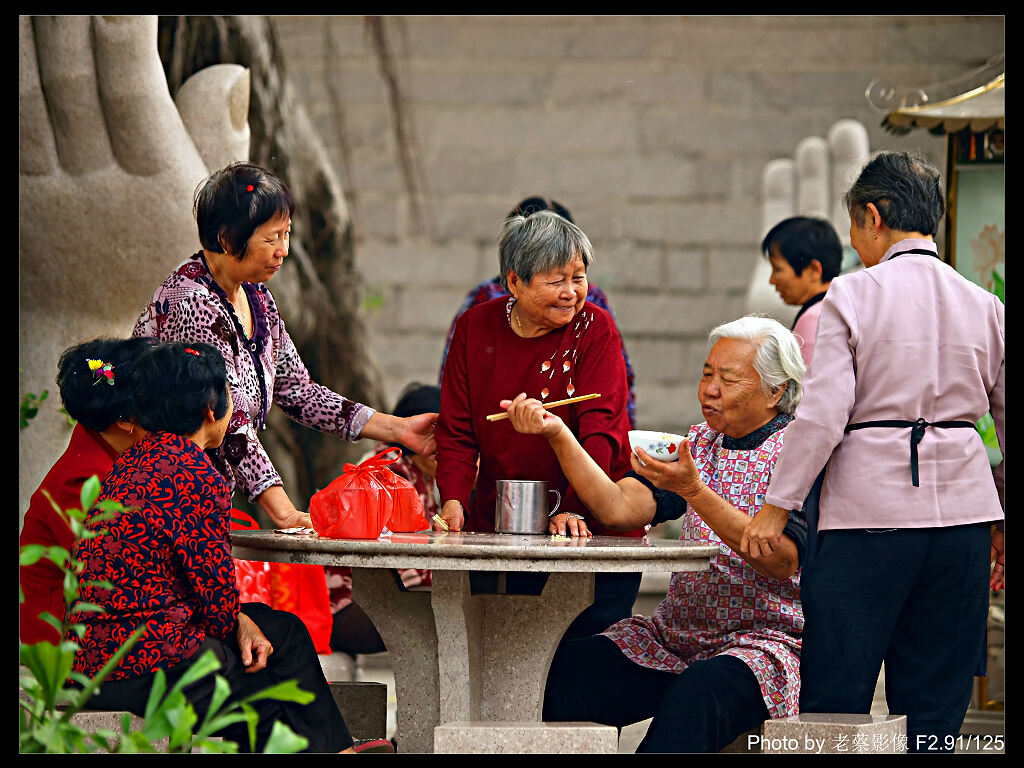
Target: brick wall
x=653 y=131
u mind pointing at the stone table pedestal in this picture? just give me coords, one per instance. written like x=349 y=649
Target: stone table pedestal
x=462 y=657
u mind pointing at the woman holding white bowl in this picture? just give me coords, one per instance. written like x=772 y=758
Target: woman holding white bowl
x=721 y=653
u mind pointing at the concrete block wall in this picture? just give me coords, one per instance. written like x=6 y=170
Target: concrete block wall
x=652 y=130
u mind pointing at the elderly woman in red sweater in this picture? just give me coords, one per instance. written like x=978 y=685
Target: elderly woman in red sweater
x=93 y=378
x=546 y=340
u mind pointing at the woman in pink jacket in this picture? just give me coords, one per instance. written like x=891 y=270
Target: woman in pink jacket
x=909 y=355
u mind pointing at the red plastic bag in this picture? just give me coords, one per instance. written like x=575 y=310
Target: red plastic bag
x=407 y=514
x=362 y=501
x=298 y=589
x=302 y=590
x=251 y=576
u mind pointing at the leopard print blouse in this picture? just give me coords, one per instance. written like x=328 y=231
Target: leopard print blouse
x=262 y=370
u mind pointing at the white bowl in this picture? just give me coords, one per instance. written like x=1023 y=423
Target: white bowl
x=663 y=446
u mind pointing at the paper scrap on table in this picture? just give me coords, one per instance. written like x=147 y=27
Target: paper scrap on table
x=297 y=531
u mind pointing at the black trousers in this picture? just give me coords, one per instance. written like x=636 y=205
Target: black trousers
x=916 y=599
x=614 y=596
x=704 y=708
x=294 y=657
x=353 y=632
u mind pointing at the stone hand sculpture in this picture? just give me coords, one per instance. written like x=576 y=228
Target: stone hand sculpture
x=108 y=167
x=812 y=183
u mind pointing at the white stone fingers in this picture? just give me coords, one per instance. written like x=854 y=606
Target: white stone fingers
x=214 y=107
x=812 y=178
x=849 y=148
x=38 y=151
x=146 y=133
x=67 y=71
x=812 y=183
x=778 y=202
x=778 y=193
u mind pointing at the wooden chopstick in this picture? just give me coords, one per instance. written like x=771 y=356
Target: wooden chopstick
x=504 y=414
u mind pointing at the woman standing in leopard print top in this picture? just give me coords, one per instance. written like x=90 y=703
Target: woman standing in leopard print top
x=218 y=297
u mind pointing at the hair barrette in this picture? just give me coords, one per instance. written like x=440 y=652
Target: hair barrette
x=191 y=351
x=250 y=188
x=101 y=370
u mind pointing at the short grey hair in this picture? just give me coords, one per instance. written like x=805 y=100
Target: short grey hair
x=540 y=242
x=777 y=361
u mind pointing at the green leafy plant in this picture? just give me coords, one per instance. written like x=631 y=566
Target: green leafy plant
x=48 y=703
x=30 y=403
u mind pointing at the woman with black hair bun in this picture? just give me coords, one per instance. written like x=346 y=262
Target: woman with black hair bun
x=93 y=379
x=167 y=556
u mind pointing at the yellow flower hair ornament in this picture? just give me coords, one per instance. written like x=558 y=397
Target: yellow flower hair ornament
x=102 y=371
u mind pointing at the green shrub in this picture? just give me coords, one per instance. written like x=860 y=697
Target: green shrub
x=49 y=703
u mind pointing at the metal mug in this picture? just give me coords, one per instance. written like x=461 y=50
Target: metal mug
x=522 y=506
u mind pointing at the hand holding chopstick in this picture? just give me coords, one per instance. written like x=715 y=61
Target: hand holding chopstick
x=504 y=414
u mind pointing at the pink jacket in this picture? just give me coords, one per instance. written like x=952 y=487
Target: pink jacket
x=908 y=338
x=805 y=329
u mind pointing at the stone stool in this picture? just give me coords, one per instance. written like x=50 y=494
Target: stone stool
x=833 y=734
x=364 y=707
x=508 y=737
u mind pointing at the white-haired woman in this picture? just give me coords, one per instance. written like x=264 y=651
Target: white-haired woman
x=721 y=653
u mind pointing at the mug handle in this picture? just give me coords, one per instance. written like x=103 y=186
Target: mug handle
x=558 y=501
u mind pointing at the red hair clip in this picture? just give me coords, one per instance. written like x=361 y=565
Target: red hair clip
x=191 y=351
x=250 y=188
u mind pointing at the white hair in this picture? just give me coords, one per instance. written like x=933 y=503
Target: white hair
x=777 y=361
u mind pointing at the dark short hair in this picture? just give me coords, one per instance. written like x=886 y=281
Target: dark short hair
x=174 y=384
x=227 y=212
x=905 y=188
x=90 y=398
x=533 y=204
x=415 y=399
x=803 y=238
x=418 y=398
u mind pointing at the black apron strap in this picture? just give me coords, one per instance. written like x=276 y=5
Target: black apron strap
x=916 y=252
x=917 y=429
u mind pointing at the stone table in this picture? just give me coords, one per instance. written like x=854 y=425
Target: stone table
x=457 y=656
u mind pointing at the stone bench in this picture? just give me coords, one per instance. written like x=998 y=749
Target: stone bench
x=832 y=734
x=507 y=737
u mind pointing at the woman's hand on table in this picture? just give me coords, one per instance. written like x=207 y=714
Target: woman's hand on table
x=279 y=508
x=253 y=644
x=530 y=417
x=567 y=524
x=453 y=515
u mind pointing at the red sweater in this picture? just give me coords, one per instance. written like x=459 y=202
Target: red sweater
x=487 y=362
x=87 y=454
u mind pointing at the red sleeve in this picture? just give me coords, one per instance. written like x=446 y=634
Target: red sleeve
x=43 y=582
x=603 y=423
x=457 y=450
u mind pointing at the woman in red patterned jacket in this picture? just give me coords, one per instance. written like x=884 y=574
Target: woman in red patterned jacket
x=168 y=557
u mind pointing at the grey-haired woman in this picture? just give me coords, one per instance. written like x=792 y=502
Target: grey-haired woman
x=546 y=341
